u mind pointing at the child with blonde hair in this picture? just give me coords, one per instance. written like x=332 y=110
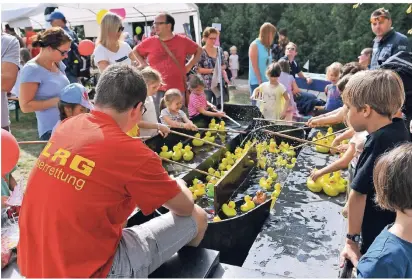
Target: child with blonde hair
x=333 y=98
x=149 y=125
x=274 y=98
x=171 y=113
x=233 y=63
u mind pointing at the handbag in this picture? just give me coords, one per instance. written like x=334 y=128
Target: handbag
x=183 y=72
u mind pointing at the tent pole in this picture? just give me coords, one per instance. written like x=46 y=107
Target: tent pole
x=145 y=21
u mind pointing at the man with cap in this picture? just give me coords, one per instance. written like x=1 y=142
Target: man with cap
x=57 y=19
x=387 y=41
x=74 y=100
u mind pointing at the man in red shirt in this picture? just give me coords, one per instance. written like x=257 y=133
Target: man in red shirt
x=151 y=49
x=88 y=180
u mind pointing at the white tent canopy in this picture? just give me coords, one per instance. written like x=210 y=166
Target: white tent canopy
x=25 y=15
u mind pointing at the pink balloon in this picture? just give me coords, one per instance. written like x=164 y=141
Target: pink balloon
x=120 y=12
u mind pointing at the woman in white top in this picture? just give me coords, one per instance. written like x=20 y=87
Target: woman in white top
x=111 y=48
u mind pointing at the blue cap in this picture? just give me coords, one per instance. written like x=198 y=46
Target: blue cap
x=55 y=15
x=75 y=93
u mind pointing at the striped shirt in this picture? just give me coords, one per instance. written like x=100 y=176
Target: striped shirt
x=196 y=102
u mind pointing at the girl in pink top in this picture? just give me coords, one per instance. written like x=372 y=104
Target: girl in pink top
x=289 y=82
x=197 y=100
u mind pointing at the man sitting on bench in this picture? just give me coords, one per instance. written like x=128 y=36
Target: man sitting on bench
x=88 y=180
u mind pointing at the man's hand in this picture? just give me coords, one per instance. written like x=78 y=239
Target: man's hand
x=351 y=252
x=309 y=80
x=163 y=130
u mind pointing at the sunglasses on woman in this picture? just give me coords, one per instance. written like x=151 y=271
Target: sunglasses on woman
x=121 y=28
x=63 y=53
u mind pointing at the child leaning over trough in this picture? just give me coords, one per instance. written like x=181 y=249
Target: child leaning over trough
x=171 y=113
x=390 y=255
x=372 y=99
x=197 y=102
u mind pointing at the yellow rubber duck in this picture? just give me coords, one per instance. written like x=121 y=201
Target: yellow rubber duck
x=222 y=166
x=274 y=198
x=177 y=154
x=165 y=153
x=222 y=126
x=262 y=162
x=248 y=205
x=217 y=174
x=290 y=153
x=211 y=171
x=216 y=219
x=322 y=149
x=212 y=124
x=200 y=190
x=276 y=193
x=197 y=142
x=330 y=190
x=208 y=137
x=188 y=153
x=293 y=160
x=278 y=187
x=290 y=166
x=263 y=183
x=314 y=186
x=341 y=183
x=180 y=145
x=229 y=209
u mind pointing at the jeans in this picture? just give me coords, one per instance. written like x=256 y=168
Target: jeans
x=252 y=88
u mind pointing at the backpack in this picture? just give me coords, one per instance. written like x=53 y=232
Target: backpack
x=401 y=63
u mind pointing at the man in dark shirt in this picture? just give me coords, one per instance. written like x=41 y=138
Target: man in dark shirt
x=372 y=98
x=387 y=41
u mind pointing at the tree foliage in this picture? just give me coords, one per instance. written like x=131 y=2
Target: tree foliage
x=324 y=33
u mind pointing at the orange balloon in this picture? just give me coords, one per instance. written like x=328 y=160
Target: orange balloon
x=10 y=152
x=86 y=47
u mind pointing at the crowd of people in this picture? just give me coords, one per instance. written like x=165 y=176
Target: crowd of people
x=143 y=91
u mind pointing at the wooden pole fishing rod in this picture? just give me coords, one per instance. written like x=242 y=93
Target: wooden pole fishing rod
x=340 y=131
x=222 y=131
x=190 y=137
x=185 y=166
x=299 y=139
x=293 y=130
x=278 y=120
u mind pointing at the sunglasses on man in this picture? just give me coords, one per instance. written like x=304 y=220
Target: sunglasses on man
x=378 y=19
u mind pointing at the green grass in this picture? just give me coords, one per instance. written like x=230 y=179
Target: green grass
x=24 y=130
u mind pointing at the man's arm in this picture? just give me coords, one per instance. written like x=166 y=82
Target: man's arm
x=140 y=56
x=10 y=60
x=182 y=204
x=195 y=58
x=301 y=75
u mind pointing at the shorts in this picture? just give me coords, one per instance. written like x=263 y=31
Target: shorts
x=142 y=249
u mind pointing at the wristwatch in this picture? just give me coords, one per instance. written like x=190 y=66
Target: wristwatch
x=354 y=237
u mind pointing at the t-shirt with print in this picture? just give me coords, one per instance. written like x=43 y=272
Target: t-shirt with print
x=50 y=85
x=271 y=96
x=159 y=59
x=85 y=184
x=196 y=102
x=377 y=143
x=388 y=257
x=10 y=52
x=121 y=56
x=179 y=117
x=149 y=116
x=334 y=99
